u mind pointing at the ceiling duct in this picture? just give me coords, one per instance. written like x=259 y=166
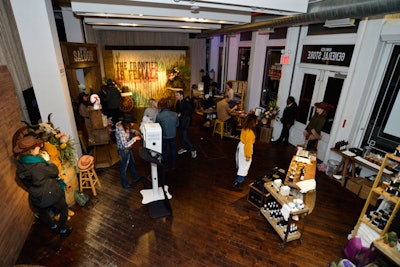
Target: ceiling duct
x=317 y=13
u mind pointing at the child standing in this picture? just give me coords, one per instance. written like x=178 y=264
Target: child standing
x=244 y=149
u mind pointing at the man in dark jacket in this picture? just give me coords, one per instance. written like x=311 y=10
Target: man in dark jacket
x=288 y=117
x=185 y=112
x=113 y=101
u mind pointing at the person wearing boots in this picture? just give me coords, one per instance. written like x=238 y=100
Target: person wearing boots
x=185 y=111
x=40 y=175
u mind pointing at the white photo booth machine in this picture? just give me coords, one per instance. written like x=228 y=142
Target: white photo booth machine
x=152 y=142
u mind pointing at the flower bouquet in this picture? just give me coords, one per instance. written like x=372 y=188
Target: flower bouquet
x=271 y=113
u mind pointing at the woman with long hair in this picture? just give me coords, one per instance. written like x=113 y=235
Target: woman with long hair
x=244 y=151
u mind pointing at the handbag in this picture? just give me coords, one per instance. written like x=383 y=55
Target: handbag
x=81 y=198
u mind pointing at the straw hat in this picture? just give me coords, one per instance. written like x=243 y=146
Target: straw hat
x=26 y=143
x=85 y=162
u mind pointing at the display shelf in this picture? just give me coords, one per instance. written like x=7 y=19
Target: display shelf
x=295 y=168
x=280 y=231
x=370 y=225
x=377 y=189
x=282 y=200
x=386 y=195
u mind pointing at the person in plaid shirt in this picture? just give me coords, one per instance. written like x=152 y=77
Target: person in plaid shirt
x=126 y=136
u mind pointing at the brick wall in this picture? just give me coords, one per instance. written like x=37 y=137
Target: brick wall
x=16 y=216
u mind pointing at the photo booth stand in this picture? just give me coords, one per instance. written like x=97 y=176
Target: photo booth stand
x=157 y=197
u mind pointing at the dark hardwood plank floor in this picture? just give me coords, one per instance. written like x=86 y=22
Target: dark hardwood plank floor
x=211 y=225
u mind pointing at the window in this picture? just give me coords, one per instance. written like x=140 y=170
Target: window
x=243 y=64
x=383 y=129
x=272 y=76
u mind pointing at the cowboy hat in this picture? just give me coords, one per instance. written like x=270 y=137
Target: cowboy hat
x=128 y=118
x=26 y=143
x=322 y=105
x=85 y=162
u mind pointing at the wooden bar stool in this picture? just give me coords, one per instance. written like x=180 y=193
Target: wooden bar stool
x=87 y=174
x=219 y=127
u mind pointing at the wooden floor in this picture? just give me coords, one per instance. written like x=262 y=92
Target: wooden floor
x=211 y=225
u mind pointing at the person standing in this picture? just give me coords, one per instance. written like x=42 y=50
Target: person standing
x=168 y=121
x=312 y=133
x=86 y=124
x=185 y=112
x=231 y=94
x=40 y=176
x=126 y=136
x=288 y=118
x=151 y=112
x=244 y=151
x=223 y=114
x=113 y=101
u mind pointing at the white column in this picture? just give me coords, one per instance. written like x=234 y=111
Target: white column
x=38 y=34
x=256 y=70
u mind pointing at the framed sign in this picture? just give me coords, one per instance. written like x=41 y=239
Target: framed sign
x=335 y=55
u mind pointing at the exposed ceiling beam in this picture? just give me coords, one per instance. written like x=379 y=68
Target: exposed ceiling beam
x=138 y=29
x=149 y=23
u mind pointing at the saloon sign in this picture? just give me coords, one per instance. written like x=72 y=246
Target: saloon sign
x=79 y=55
x=336 y=55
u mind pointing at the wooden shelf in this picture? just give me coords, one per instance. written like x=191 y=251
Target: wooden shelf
x=391 y=252
x=376 y=189
x=386 y=195
x=370 y=225
x=279 y=230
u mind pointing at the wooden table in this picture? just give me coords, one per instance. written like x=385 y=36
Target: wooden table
x=352 y=160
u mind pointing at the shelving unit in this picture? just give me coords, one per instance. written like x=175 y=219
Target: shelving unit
x=388 y=197
x=281 y=200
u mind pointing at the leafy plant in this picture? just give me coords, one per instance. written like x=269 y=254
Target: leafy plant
x=178 y=76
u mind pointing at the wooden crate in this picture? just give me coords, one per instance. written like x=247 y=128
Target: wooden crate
x=266 y=134
x=101 y=135
x=71 y=179
x=96 y=118
x=256 y=197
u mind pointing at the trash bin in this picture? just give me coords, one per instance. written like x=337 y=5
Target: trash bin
x=332 y=164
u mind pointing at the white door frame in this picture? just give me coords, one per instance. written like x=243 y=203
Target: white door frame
x=296 y=136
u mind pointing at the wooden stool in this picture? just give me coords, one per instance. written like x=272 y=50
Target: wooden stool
x=219 y=127
x=87 y=174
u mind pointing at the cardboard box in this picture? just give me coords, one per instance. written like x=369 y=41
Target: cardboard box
x=365 y=189
x=354 y=184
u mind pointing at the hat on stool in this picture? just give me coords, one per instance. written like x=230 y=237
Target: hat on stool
x=85 y=162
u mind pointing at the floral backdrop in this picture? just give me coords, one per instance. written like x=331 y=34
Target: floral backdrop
x=147 y=73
